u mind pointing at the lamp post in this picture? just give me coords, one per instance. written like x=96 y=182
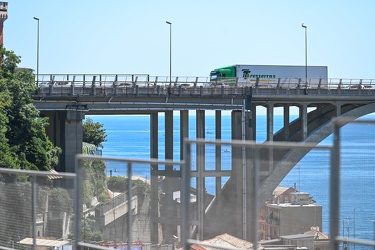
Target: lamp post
x=170 y=53
x=37 y=54
x=305 y=27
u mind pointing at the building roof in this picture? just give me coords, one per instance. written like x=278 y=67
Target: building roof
x=44 y=242
x=279 y=190
x=224 y=240
x=296 y=236
x=54 y=175
x=317 y=234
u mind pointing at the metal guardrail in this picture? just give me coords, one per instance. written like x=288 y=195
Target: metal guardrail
x=109 y=80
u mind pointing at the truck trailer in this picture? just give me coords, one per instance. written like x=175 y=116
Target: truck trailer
x=270 y=76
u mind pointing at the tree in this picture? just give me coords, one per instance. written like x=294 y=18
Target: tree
x=94 y=133
x=23 y=141
x=94 y=184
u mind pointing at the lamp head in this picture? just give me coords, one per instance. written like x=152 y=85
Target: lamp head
x=304 y=26
x=168 y=22
x=36 y=18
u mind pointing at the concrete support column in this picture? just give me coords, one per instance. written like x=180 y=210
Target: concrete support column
x=168 y=233
x=184 y=130
x=303 y=118
x=338 y=109
x=200 y=134
x=65 y=131
x=270 y=122
x=237 y=173
x=169 y=135
x=154 y=138
x=71 y=138
x=286 y=122
x=248 y=174
x=253 y=123
x=218 y=150
x=53 y=128
x=184 y=134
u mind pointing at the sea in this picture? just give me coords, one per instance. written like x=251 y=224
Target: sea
x=128 y=136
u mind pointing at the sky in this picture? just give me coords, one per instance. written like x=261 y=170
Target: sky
x=132 y=37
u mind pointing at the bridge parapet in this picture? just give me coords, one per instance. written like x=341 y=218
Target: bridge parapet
x=156 y=91
x=145 y=80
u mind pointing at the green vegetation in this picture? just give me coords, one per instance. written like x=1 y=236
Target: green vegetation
x=94 y=184
x=94 y=133
x=24 y=144
x=120 y=184
x=23 y=141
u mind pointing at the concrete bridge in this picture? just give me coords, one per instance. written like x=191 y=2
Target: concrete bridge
x=66 y=99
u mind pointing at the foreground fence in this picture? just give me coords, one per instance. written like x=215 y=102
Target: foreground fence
x=165 y=204
x=32 y=208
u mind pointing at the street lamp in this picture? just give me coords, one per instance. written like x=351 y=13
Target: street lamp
x=37 y=54
x=170 y=53
x=305 y=27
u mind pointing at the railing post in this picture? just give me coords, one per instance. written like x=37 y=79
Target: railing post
x=278 y=83
x=257 y=82
x=156 y=81
x=340 y=84
x=114 y=85
x=33 y=209
x=51 y=83
x=134 y=82
x=72 y=86
x=93 y=89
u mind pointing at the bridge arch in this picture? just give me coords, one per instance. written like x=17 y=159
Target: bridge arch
x=293 y=156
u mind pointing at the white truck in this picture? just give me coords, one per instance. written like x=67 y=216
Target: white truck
x=283 y=76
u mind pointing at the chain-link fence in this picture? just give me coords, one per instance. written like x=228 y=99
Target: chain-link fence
x=352 y=178
x=136 y=206
x=36 y=209
x=231 y=200
x=245 y=210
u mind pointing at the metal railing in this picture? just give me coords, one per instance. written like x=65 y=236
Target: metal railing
x=251 y=164
x=337 y=187
x=125 y=231
x=25 y=208
x=144 y=80
x=22 y=227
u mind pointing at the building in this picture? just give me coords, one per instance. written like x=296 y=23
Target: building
x=3 y=17
x=288 y=212
x=293 y=218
